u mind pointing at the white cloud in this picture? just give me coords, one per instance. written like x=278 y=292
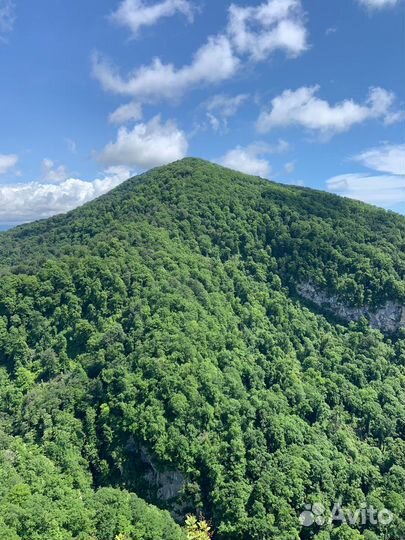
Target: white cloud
x=52 y=173
x=71 y=144
x=7 y=162
x=246 y=159
x=385 y=189
x=255 y=32
x=7 y=18
x=289 y=167
x=221 y=107
x=226 y=105
x=382 y=190
x=146 y=145
x=279 y=148
x=331 y=30
x=249 y=159
x=392 y=117
x=215 y=122
x=388 y=158
x=125 y=113
x=35 y=200
x=212 y=63
x=135 y=13
x=303 y=107
x=378 y=4
x=260 y=30
x=299 y=183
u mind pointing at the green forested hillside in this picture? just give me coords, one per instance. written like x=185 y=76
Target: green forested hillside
x=157 y=332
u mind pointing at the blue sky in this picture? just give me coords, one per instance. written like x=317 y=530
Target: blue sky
x=308 y=92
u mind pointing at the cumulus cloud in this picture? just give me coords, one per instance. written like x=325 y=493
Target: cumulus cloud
x=385 y=189
x=7 y=18
x=250 y=159
x=246 y=159
x=221 y=107
x=378 y=4
x=212 y=63
x=303 y=107
x=36 y=200
x=382 y=190
x=289 y=167
x=135 y=13
x=52 y=173
x=226 y=105
x=7 y=162
x=331 y=30
x=279 y=147
x=260 y=30
x=125 y=113
x=253 y=32
x=71 y=144
x=389 y=158
x=146 y=145
x=393 y=117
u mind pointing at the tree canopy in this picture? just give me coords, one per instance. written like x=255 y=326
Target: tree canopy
x=157 y=334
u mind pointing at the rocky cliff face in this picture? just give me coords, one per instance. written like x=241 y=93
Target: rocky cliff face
x=388 y=318
x=157 y=482
x=168 y=483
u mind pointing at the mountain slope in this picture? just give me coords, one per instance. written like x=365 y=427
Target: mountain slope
x=346 y=246
x=155 y=340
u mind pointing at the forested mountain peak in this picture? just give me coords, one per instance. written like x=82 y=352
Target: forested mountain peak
x=351 y=250
x=161 y=351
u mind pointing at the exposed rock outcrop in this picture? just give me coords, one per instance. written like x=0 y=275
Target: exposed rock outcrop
x=389 y=318
x=169 y=483
x=155 y=481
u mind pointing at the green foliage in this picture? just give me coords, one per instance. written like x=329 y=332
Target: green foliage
x=162 y=319
x=38 y=500
x=197 y=529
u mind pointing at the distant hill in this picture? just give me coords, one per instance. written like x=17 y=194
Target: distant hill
x=199 y=340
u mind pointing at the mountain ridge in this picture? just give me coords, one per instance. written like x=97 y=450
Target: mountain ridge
x=196 y=160
x=117 y=203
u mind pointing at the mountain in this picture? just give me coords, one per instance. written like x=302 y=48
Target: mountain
x=202 y=341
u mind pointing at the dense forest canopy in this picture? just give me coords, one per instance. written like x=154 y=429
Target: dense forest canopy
x=156 y=337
